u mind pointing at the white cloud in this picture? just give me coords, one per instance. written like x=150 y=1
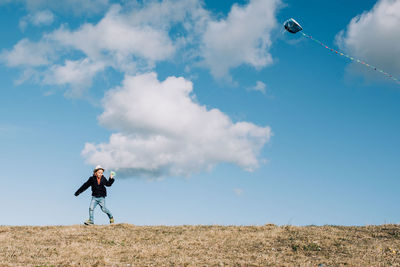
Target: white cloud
x=78 y=74
x=374 y=36
x=112 y=42
x=242 y=38
x=27 y=53
x=44 y=17
x=238 y=191
x=77 y=7
x=3 y=2
x=162 y=130
x=163 y=14
x=11 y=130
x=114 y=36
x=134 y=37
x=260 y=86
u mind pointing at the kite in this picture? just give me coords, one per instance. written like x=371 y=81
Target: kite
x=293 y=26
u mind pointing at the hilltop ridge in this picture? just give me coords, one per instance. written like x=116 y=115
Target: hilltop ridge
x=201 y=245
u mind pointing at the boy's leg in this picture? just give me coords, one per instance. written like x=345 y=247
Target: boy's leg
x=102 y=204
x=92 y=206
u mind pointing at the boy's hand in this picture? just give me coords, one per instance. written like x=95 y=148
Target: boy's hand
x=112 y=174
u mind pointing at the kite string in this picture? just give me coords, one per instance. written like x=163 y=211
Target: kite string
x=351 y=58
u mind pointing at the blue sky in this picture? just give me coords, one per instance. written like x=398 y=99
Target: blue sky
x=209 y=112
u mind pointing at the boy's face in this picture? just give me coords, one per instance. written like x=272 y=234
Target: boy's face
x=99 y=173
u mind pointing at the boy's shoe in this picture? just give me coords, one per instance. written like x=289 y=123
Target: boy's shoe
x=111 y=220
x=88 y=222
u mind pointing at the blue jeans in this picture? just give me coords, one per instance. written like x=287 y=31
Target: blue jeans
x=98 y=201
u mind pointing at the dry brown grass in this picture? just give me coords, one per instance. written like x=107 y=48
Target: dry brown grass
x=269 y=245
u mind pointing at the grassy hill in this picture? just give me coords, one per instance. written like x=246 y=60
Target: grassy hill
x=269 y=245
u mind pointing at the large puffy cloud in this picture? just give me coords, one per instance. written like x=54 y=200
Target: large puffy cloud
x=162 y=130
x=374 y=36
x=242 y=38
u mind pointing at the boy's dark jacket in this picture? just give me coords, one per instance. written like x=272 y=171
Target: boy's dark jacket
x=98 y=190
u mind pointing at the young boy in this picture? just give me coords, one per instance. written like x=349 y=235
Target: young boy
x=98 y=182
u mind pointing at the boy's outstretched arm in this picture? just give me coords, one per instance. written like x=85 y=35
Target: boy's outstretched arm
x=83 y=187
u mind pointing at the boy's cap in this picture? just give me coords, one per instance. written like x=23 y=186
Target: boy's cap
x=98 y=167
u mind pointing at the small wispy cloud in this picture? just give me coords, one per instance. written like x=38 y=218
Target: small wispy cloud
x=12 y=130
x=260 y=87
x=77 y=74
x=28 y=54
x=75 y=7
x=238 y=191
x=40 y=18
